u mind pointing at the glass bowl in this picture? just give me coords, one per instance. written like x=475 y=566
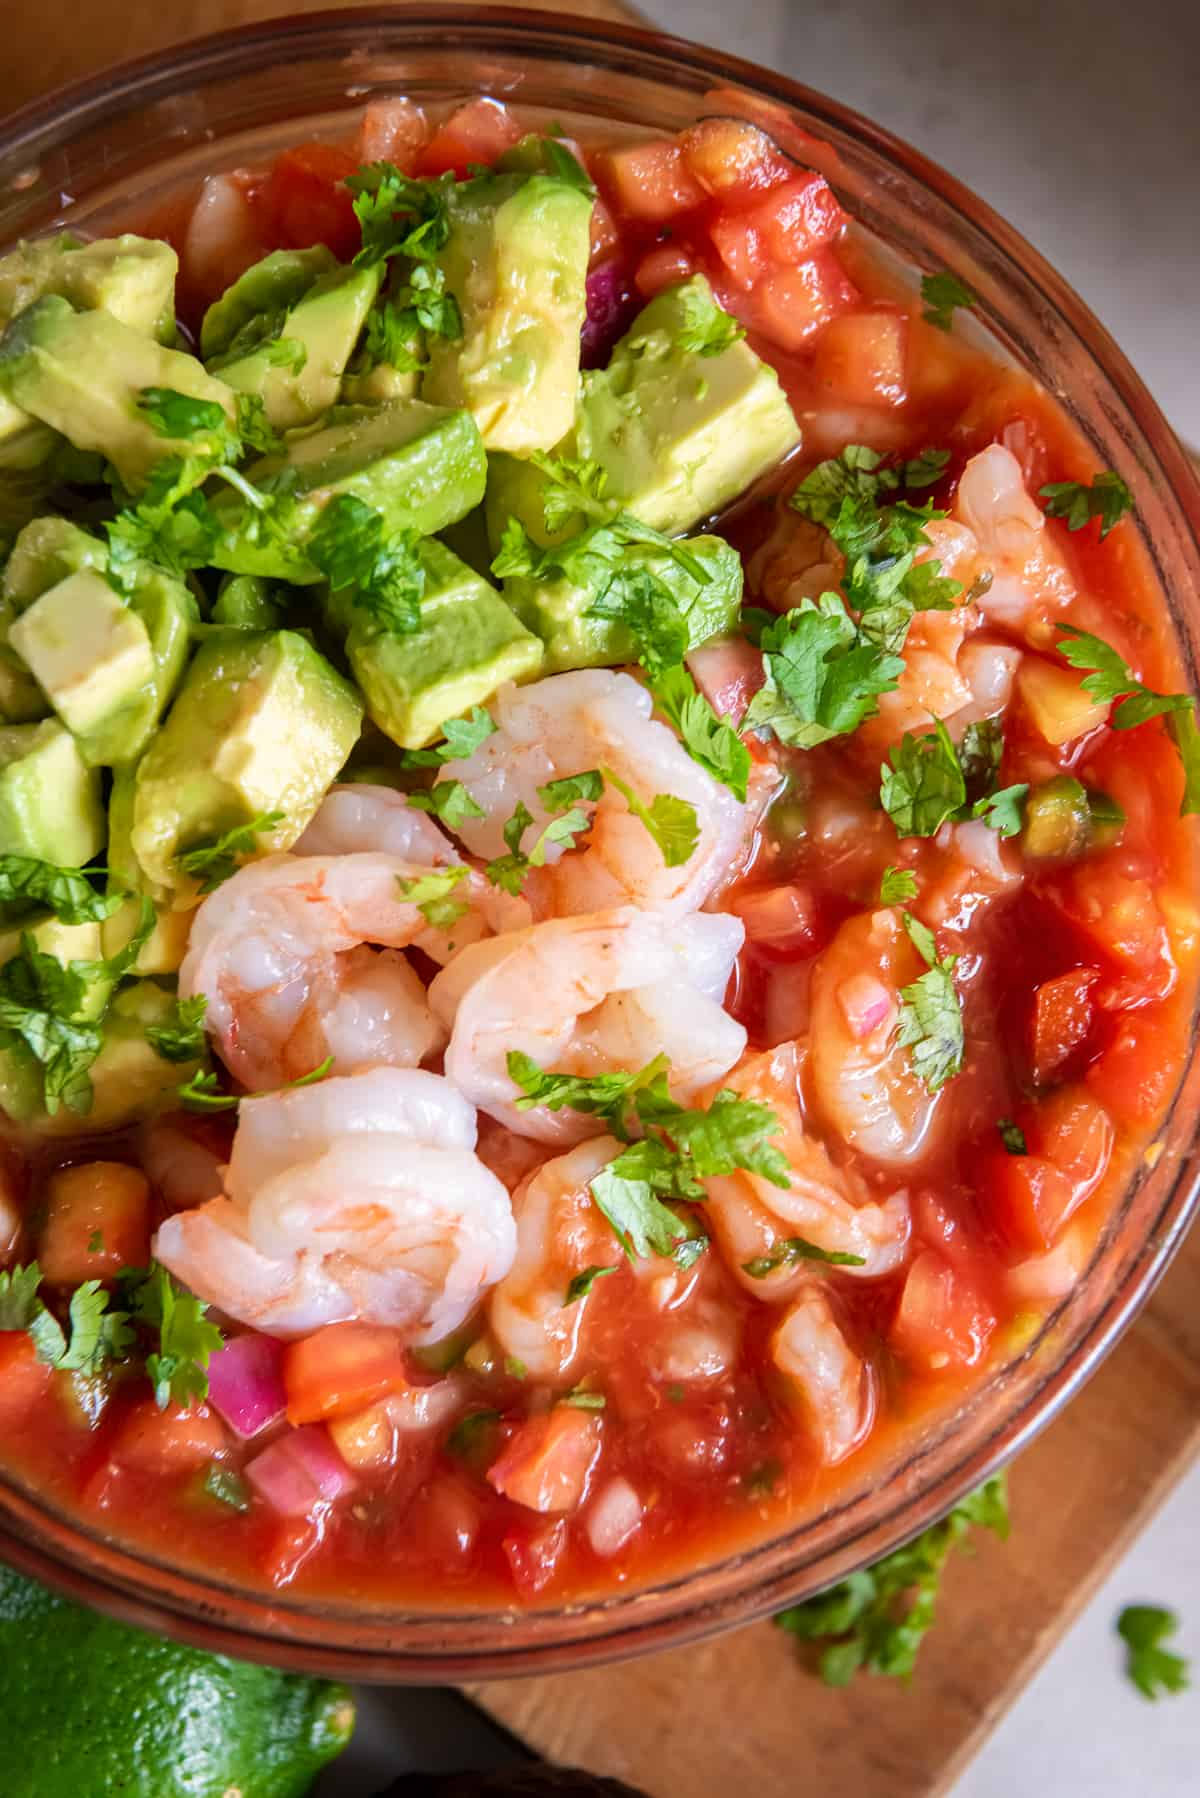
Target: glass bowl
x=116 y=143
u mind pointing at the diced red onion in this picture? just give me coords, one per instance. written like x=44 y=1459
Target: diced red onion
x=865 y=1003
x=245 y=1383
x=300 y=1472
x=611 y=304
x=614 y=1516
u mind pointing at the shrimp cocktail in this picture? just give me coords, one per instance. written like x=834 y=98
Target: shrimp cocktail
x=597 y=899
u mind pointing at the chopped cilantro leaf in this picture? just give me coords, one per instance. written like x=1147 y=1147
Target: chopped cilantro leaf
x=214 y=861
x=178 y=1368
x=204 y=1092
x=573 y=485
x=97 y=1335
x=463 y=737
x=226 y=1486
x=1148 y=1665
x=515 y=1368
x=877 y=1618
x=822 y=678
x=648 y=609
x=709 y=740
x=352 y=548
x=448 y=800
x=179 y=415
x=671 y=822
x=922 y=784
x=183 y=1038
x=566 y=167
x=797 y=1248
x=67 y=892
x=1113 y=679
x=433 y=896
x=41 y=1002
x=980 y=754
x=931 y=1023
x=603 y=1094
x=399 y=216
x=707 y=328
x=926 y=468
x=19 y=1302
x=583 y=1282
x=1012 y=1136
x=625 y=1193
x=1107 y=498
x=943 y=294
x=393 y=337
x=897 y=885
x=571 y=788
x=1003 y=811
x=583 y=1400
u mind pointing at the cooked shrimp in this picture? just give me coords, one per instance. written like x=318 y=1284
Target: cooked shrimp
x=354 y=1198
x=596 y=718
x=862 y=1078
x=560 y=1233
x=584 y=996
x=828 y=1206
x=1030 y=582
x=799 y=560
x=834 y=1388
x=277 y=952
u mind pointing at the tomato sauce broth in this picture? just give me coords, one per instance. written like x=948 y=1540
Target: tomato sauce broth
x=720 y=1465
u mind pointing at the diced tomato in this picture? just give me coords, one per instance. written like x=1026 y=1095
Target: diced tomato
x=547 y=1461
x=341 y=1369
x=665 y=266
x=392 y=131
x=306 y=202
x=170 y=1441
x=1025 y=1198
x=605 y=235
x=733 y=160
x=942 y=1320
x=97 y=1222
x=739 y=243
x=534 y=1559
x=1060 y=1021
x=798 y=218
x=1072 y=1129
x=648 y=181
x=23 y=1378
x=860 y=358
x=783 y=919
x=478 y=132
x=1120 y=917
x=1136 y=1073
x=288 y=1545
x=793 y=303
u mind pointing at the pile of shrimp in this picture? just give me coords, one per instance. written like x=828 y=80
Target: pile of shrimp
x=375 y=1194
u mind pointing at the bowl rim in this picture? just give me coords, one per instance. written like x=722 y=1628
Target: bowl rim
x=45 y=1544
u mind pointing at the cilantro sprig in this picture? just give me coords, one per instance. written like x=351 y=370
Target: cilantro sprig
x=215 y=859
x=792 y=1249
x=564 y=800
x=383 y=570
x=399 y=215
x=182 y=1039
x=943 y=294
x=930 y=1022
x=435 y=897
x=1106 y=497
x=177 y=1367
x=1112 y=679
x=461 y=738
x=449 y=800
x=877 y=1619
x=67 y=892
x=707 y=329
x=822 y=676
x=924 y=784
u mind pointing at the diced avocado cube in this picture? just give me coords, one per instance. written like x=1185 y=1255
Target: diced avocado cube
x=82 y=372
x=262 y=723
x=27 y=469
x=420 y=466
x=379 y=386
x=69 y=942
x=469 y=643
x=272 y=285
x=50 y=803
x=165 y=947
x=324 y=326
x=92 y=657
x=133 y=278
x=516 y=261
x=679 y=434
x=246 y=602
x=129 y=1079
x=46 y=552
x=558 y=610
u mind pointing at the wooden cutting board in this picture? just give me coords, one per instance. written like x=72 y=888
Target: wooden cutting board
x=738 y=1714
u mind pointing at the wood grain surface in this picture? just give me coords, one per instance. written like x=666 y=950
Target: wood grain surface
x=738 y=1714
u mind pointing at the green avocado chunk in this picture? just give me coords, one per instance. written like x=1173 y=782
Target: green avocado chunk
x=247 y=602
x=516 y=261
x=262 y=723
x=322 y=330
x=469 y=643
x=50 y=803
x=93 y=1707
x=91 y=655
x=133 y=278
x=272 y=286
x=45 y=552
x=420 y=466
x=82 y=372
x=164 y=949
x=557 y=610
x=679 y=434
